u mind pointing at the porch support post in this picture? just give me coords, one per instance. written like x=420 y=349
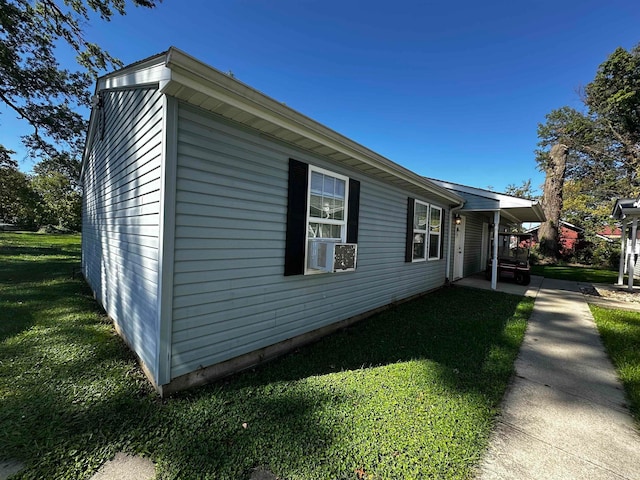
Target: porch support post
x=631 y=255
x=623 y=252
x=494 y=260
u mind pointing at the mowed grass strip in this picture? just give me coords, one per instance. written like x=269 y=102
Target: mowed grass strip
x=409 y=393
x=576 y=273
x=620 y=332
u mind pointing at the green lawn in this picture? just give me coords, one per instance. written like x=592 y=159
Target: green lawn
x=410 y=393
x=577 y=273
x=620 y=332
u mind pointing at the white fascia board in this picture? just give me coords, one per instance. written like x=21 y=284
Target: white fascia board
x=147 y=72
x=154 y=73
x=506 y=201
x=203 y=78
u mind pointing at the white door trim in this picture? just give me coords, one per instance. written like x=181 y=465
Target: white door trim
x=458 y=249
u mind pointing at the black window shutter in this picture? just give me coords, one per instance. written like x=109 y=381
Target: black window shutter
x=353 y=213
x=408 y=254
x=296 y=218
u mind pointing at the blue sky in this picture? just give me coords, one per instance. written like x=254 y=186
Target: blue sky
x=452 y=90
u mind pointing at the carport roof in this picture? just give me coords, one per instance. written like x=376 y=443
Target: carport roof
x=514 y=209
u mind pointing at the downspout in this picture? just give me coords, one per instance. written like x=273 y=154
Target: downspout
x=451 y=234
x=494 y=260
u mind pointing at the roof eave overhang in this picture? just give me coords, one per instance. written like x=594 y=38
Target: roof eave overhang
x=184 y=77
x=202 y=85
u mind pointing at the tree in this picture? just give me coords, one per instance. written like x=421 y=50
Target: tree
x=18 y=201
x=614 y=99
x=33 y=85
x=601 y=147
x=556 y=167
x=59 y=193
x=60 y=204
x=523 y=191
x=5 y=158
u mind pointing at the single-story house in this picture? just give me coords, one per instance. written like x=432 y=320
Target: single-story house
x=222 y=228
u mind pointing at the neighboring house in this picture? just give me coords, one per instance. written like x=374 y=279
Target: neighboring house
x=571 y=236
x=222 y=228
x=611 y=233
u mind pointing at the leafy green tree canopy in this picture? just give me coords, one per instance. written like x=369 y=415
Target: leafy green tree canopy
x=33 y=84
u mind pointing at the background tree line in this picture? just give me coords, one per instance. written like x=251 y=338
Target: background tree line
x=50 y=99
x=50 y=196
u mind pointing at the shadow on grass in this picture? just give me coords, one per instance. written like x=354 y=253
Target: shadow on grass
x=443 y=326
x=460 y=355
x=390 y=392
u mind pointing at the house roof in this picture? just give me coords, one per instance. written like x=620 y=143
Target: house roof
x=564 y=224
x=602 y=235
x=182 y=76
x=514 y=209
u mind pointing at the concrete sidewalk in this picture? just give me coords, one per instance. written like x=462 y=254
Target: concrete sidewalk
x=564 y=415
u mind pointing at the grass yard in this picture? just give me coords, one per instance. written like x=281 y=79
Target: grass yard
x=576 y=273
x=409 y=393
x=620 y=332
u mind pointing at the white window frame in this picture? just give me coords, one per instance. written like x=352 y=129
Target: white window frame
x=435 y=234
x=342 y=223
x=420 y=231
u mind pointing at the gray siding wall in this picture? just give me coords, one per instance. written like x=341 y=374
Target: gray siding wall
x=473 y=244
x=120 y=221
x=230 y=294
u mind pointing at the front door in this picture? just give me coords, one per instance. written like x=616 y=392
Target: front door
x=458 y=250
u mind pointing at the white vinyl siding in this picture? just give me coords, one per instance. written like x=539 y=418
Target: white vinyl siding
x=230 y=293
x=121 y=206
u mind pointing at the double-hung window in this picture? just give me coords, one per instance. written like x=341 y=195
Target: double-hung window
x=327 y=216
x=322 y=210
x=420 y=229
x=435 y=227
x=425 y=231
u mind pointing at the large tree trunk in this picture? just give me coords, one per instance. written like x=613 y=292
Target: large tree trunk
x=549 y=234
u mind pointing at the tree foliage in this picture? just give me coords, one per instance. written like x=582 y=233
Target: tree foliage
x=522 y=191
x=33 y=84
x=52 y=196
x=602 y=141
x=18 y=202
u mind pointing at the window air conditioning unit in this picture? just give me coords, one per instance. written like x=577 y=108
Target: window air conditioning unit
x=334 y=257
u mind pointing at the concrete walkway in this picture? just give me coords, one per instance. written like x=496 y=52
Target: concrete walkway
x=564 y=415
